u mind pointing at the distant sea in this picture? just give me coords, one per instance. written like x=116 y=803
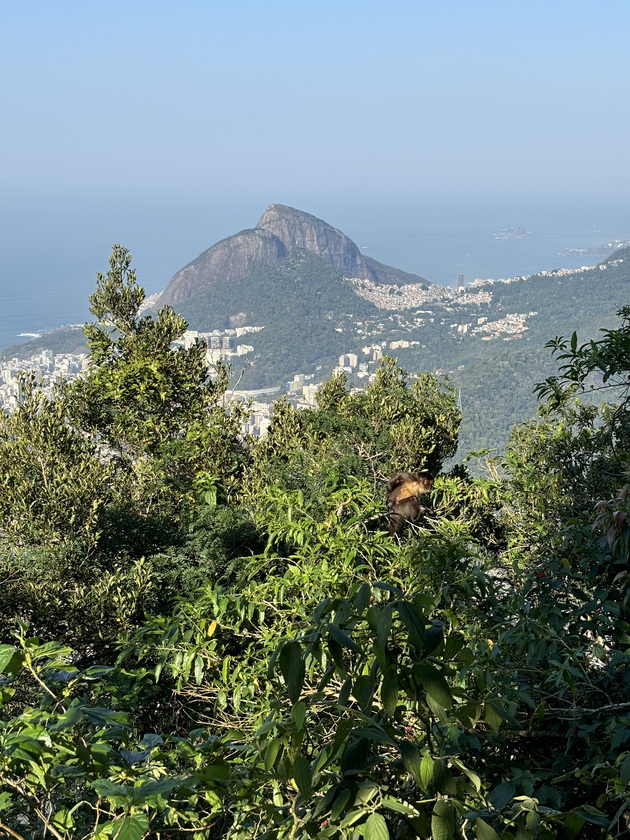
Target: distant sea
x=45 y=282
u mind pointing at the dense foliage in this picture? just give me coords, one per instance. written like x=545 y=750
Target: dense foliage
x=215 y=637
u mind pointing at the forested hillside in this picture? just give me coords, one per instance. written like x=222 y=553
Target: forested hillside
x=210 y=636
x=310 y=315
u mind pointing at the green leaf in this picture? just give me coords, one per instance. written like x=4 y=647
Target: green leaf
x=593 y=815
x=426 y=772
x=624 y=773
x=292 y=669
x=151 y=792
x=302 y=775
x=492 y=717
x=388 y=587
x=573 y=824
x=130 y=828
x=412 y=761
x=501 y=795
x=70 y=718
x=485 y=831
x=298 y=714
x=95 y=672
x=151 y=740
x=376 y=828
x=470 y=774
x=383 y=628
x=213 y=772
x=442 y=820
x=389 y=690
x=7 y=652
x=342 y=638
x=339 y=804
x=271 y=753
x=434 y=684
x=135 y=757
x=414 y=622
x=362 y=598
x=105 y=787
x=105 y=717
x=399 y=807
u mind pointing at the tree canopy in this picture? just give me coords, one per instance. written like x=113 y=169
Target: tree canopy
x=212 y=636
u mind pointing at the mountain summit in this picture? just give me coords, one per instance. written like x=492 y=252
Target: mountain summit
x=280 y=231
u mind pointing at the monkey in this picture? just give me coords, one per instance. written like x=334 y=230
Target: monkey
x=403 y=502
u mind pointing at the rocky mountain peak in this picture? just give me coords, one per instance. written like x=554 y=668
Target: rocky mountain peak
x=280 y=230
x=297 y=229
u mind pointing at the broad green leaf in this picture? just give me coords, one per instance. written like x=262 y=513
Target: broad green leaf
x=426 y=772
x=7 y=652
x=151 y=740
x=434 y=684
x=412 y=761
x=389 y=690
x=438 y=710
x=271 y=753
x=388 y=587
x=363 y=690
x=342 y=638
x=71 y=717
x=375 y=734
x=501 y=795
x=105 y=787
x=339 y=803
x=292 y=668
x=384 y=626
x=414 y=622
x=624 y=773
x=105 y=717
x=130 y=827
x=376 y=828
x=150 y=792
x=63 y=819
x=485 y=831
x=135 y=757
x=212 y=772
x=492 y=717
x=593 y=815
x=95 y=672
x=352 y=817
x=362 y=598
x=399 y=807
x=442 y=820
x=302 y=775
x=573 y=824
x=454 y=644
x=298 y=714
x=470 y=774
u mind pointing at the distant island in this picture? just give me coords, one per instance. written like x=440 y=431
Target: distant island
x=513 y=233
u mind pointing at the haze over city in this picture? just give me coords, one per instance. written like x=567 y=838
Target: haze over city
x=167 y=126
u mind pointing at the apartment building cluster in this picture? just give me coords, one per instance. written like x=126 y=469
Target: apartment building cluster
x=221 y=343
x=513 y=325
x=415 y=295
x=46 y=367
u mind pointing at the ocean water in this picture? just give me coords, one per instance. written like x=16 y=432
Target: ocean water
x=50 y=256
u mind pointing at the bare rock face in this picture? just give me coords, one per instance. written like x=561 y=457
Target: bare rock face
x=297 y=229
x=229 y=260
x=281 y=229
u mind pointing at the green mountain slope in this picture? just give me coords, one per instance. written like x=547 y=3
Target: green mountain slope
x=302 y=305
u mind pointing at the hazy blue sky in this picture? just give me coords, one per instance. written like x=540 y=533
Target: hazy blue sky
x=175 y=123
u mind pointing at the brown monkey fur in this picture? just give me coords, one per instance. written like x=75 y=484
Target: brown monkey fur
x=403 y=502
